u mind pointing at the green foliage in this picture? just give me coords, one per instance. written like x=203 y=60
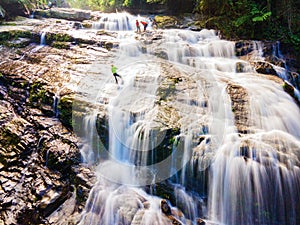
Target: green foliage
x=295 y=40
x=156 y=1
x=252 y=14
x=262 y=17
x=127 y=3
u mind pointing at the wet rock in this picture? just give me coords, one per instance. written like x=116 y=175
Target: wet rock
x=19 y=43
x=60 y=13
x=264 y=67
x=39 y=159
x=240 y=104
x=200 y=221
x=61 y=45
x=15 y=37
x=65 y=110
x=166 y=209
x=138 y=217
x=166 y=21
x=287 y=87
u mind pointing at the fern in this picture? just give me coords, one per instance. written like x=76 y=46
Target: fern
x=262 y=17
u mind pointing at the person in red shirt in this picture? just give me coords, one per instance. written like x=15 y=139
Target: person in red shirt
x=145 y=24
x=138 y=29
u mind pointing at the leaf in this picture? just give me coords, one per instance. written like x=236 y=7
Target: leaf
x=262 y=17
x=257 y=19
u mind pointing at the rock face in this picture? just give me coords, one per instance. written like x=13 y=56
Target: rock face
x=11 y=8
x=68 y=14
x=266 y=58
x=40 y=171
x=240 y=104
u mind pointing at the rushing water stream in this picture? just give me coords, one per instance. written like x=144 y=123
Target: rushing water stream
x=228 y=165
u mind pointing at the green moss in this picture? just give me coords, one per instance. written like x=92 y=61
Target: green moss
x=10 y=38
x=61 y=45
x=65 y=108
x=165 y=21
x=87 y=25
x=59 y=37
x=39 y=96
x=13 y=34
x=288 y=88
x=9 y=24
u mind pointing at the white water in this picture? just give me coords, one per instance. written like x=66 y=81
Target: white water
x=119 y=22
x=2 y=12
x=252 y=178
x=43 y=39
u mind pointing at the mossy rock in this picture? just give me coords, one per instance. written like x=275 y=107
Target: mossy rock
x=87 y=25
x=41 y=98
x=61 y=45
x=288 y=88
x=166 y=21
x=18 y=43
x=59 y=13
x=58 y=37
x=65 y=108
x=13 y=34
x=165 y=191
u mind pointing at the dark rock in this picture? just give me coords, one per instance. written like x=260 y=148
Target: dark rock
x=287 y=87
x=77 y=25
x=65 y=110
x=239 y=107
x=12 y=8
x=39 y=157
x=166 y=209
x=60 y=13
x=264 y=67
x=200 y=221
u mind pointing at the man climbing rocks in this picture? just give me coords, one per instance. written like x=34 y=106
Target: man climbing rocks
x=138 y=29
x=114 y=72
x=145 y=24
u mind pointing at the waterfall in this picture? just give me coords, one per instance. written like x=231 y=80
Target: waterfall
x=235 y=156
x=122 y=21
x=56 y=99
x=2 y=12
x=43 y=39
x=90 y=147
x=254 y=176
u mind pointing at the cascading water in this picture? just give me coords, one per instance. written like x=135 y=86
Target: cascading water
x=235 y=159
x=43 y=38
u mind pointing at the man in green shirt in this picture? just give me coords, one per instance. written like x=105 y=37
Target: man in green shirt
x=114 y=72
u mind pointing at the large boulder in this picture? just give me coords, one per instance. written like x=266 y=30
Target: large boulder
x=12 y=8
x=61 y=13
